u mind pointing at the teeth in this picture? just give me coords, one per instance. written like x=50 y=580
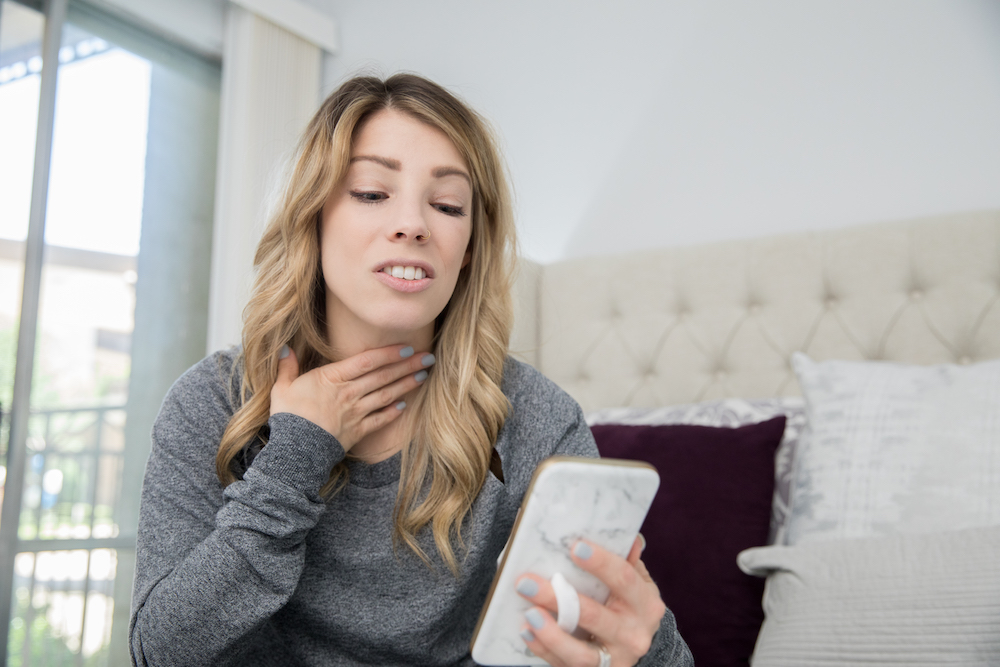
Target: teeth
x=405 y=272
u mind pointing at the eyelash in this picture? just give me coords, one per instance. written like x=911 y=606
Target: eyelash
x=364 y=198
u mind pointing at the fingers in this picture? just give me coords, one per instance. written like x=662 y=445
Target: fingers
x=390 y=368
x=595 y=618
x=625 y=624
x=636 y=551
x=389 y=394
x=550 y=643
x=348 y=405
x=364 y=363
x=376 y=420
x=617 y=573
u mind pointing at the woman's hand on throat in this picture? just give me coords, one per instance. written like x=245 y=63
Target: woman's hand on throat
x=352 y=397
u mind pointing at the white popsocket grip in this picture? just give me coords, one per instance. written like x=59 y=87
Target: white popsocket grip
x=567 y=603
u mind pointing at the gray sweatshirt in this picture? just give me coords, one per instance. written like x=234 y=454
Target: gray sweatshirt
x=264 y=572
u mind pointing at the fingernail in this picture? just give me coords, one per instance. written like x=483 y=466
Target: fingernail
x=400 y=405
x=527 y=587
x=406 y=352
x=535 y=618
x=582 y=551
x=527 y=635
x=643 y=540
x=420 y=376
x=285 y=351
x=428 y=359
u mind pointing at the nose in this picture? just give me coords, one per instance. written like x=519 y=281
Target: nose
x=411 y=224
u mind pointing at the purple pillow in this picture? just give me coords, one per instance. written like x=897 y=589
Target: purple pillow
x=714 y=501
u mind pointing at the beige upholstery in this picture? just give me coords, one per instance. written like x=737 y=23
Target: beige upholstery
x=688 y=324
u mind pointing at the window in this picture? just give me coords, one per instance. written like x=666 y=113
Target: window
x=115 y=308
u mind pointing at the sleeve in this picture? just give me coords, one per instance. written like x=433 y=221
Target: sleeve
x=668 y=649
x=213 y=565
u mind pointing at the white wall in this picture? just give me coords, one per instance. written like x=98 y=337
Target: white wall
x=637 y=124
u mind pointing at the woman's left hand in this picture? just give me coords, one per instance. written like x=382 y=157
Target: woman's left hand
x=624 y=625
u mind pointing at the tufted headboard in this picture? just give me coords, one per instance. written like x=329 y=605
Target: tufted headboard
x=681 y=325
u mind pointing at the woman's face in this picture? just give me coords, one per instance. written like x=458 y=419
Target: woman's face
x=395 y=232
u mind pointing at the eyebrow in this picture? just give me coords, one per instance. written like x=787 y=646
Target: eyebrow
x=441 y=172
x=388 y=163
x=396 y=165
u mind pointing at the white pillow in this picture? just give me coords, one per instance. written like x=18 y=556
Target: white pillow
x=904 y=600
x=890 y=448
x=733 y=413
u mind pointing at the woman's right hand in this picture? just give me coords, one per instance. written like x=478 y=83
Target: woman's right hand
x=353 y=397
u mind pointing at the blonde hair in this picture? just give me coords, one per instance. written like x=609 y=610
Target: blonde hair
x=460 y=409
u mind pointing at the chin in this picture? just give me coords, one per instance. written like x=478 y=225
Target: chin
x=402 y=322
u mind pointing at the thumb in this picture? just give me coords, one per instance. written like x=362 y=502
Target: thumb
x=288 y=367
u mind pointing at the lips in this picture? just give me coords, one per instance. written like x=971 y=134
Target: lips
x=405 y=275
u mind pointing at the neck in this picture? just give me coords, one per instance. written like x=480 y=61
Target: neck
x=348 y=339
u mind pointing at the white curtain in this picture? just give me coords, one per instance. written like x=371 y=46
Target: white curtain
x=270 y=89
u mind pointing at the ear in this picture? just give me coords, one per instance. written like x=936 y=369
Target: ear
x=467 y=258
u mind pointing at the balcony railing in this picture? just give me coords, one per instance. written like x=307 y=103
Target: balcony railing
x=68 y=536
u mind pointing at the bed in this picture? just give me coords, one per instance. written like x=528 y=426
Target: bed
x=824 y=410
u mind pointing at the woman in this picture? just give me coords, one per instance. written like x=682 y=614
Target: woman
x=325 y=494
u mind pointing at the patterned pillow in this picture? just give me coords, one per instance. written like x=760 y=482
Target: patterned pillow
x=731 y=412
x=892 y=448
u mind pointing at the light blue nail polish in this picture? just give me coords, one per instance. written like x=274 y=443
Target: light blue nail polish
x=535 y=618
x=527 y=635
x=527 y=587
x=406 y=352
x=400 y=405
x=582 y=551
x=420 y=376
x=428 y=359
x=285 y=351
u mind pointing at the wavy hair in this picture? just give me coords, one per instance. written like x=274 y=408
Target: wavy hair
x=460 y=409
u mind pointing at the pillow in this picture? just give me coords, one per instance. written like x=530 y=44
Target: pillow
x=714 y=501
x=732 y=412
x=891 y=448
x=929 y=599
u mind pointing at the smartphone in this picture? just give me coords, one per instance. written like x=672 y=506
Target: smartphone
x=601 y=500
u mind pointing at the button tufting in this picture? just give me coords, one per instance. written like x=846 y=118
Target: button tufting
x=754 y=308
x=916 y=295
x=965 y=360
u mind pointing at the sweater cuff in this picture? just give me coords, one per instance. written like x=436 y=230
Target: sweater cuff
x=299 y=453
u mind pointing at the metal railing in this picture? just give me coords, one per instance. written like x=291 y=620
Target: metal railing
x=67 y=537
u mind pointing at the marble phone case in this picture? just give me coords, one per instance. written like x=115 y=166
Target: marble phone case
x=602 y=500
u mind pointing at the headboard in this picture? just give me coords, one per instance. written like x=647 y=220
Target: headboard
x=681 y=325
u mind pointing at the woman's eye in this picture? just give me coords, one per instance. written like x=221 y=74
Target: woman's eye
x=456 y=211
x=368 y=197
